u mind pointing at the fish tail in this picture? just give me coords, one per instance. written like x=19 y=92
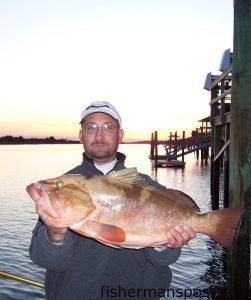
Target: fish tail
x=224 y=225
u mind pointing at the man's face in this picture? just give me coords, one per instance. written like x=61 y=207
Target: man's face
x=99 y=144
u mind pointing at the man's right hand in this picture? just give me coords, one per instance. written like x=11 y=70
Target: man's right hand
x=56 y=234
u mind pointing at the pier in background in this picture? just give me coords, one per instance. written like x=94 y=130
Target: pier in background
x=176 y=148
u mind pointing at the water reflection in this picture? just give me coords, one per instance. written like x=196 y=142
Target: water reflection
x=215 y=275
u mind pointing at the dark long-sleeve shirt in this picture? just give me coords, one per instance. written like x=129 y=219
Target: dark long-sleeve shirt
x=82 y=268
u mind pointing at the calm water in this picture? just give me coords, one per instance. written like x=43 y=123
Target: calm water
x=199 y=269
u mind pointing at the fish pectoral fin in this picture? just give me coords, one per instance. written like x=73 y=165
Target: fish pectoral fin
x=109 y=232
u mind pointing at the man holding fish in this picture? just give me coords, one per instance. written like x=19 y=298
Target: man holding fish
x=90 y=253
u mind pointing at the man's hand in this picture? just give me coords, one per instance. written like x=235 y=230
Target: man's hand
x=179 y=236
x=46 y=212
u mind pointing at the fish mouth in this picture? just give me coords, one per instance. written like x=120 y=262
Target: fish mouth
x=45 y=182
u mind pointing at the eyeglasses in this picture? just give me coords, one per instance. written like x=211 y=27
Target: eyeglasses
x=92 y=128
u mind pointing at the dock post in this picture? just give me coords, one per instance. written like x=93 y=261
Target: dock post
x=238 y=265
x=170 y=142
x=197 y=154
x=215 y=173
x=175 y=143
x=156 y=146
x=152 y=146
x=183 y=145
x=226 y=179
x=226 y=168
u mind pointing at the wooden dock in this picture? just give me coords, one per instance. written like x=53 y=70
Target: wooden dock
x=165 y=163
x=176 y=147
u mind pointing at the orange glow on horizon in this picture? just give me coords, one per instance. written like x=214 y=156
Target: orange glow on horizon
x=162 y=134
x=69 y=129
x=72 y=133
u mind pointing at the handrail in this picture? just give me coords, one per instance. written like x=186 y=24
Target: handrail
x=227 y=92
x=22 y=279
x=221 y=77
x=222 y=150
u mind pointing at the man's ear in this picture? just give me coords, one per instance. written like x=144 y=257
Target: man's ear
x=81 y=135
x=121 y=135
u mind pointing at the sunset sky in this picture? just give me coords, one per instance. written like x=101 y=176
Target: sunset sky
x=148 y=57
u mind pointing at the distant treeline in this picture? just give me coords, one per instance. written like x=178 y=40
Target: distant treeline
x=136 y=142
x=9 y=139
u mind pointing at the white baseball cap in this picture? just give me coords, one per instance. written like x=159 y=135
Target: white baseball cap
x=103 y=107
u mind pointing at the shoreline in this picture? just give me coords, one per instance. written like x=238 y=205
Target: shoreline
x=11 y=140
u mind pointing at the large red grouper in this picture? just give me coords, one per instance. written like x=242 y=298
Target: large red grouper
x=122 y=209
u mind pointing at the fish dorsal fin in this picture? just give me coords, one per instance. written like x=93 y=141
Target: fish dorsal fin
x=125 y=174
x=131 y=175
x=180 y=198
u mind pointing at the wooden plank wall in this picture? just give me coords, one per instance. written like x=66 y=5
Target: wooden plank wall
x=240 y=149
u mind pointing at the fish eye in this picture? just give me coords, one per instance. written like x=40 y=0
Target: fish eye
x=59 y=184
